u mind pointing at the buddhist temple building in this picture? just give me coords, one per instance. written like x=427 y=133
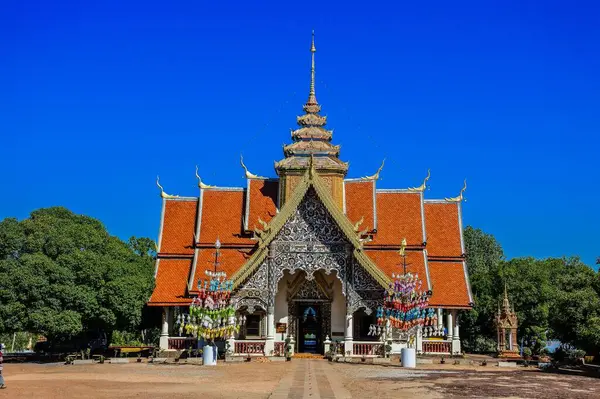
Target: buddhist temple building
x=311 y=251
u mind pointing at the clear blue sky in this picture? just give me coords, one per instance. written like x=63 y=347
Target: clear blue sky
x=97 y=99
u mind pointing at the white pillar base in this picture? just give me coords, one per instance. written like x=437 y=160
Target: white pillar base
x=163 y=342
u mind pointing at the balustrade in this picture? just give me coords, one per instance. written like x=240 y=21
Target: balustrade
x=182 y=343
x=250 y=347
x=367 y=348
x=437 y=347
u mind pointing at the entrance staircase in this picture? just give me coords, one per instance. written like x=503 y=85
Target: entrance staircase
x=308 y=356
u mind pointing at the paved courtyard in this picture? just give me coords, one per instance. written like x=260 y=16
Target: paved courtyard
x=300 y=378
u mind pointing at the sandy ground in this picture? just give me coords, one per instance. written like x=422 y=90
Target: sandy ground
x=260 y=380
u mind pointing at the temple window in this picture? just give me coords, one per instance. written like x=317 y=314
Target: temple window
x=362 y=324
x=254 y=327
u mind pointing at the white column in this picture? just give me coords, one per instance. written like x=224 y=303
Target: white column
x=440 y=320
x=455 y=334
x=270 y=342
x=419 y=340
x=348 y=340
x=164 y=333
x=449 y=324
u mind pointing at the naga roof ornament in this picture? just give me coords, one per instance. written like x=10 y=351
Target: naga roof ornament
x=200 y=184
x=248 y=174
x=423 y=186
x=376 y=175
x=162 y=191
x=311 y=138
x=460 y=196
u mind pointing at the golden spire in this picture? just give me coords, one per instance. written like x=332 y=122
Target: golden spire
x=162 y=191
x=460 y=197
x=312 y=98
x=505 y=304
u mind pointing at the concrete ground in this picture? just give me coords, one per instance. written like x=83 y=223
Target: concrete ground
x=301 y=378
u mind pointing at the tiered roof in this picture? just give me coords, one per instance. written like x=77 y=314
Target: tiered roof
x=311 y=139
x=375 y=221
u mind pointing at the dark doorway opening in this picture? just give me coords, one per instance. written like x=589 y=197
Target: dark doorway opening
x=309 y=329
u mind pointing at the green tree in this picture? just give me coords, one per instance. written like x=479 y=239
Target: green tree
x=62 y=273
x=575 y=315
x=484 y=259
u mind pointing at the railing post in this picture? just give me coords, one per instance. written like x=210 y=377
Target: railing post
x=163 y=342
x=327 y=345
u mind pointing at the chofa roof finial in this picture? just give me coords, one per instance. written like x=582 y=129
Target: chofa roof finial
x=460 y=197
x=200 y=184
x=248 y=174
x=423 y=186
x=162 y=191
x=376 y=175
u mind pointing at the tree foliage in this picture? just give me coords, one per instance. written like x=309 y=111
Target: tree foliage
x=62 y=273
x=554 y=298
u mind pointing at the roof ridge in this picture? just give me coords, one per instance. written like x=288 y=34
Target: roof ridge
x=309 y=179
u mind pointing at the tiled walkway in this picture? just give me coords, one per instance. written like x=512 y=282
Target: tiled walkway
x=310 y=379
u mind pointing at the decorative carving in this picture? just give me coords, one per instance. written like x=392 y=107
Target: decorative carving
x=200 y=184
x=423 y=186
x=376 y=175
x=162 y=191
x=248 y=174
x=460 y=197
x=251 y=304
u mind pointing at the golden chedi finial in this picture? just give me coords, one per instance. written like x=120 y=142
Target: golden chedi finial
x=312 y=98
x=200 y=184
x=162 y=191
x=248 y=174
x=376 y=175
x=460 y=196
x=423 y=186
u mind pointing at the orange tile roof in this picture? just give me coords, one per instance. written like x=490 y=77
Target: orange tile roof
x=222 y=213
x=171 y=282
x=359 y=203
x=399 y=216
x=443 y=229
x=179 y=223
x=449 y=285
x=230 y=261
x=389 y=261
x=262 y=201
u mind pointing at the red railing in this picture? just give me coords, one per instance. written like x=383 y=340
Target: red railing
x=367 y=348
x=181 y=343
x=250 y=347
x=279 y=349
x=437 y=347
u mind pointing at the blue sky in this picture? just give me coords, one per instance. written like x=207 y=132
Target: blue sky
x=97 y=99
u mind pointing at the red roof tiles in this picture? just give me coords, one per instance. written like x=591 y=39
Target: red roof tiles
x=443 y=229
x=398 y=216
x=179 y=224
x=262 y=201
x=449 y=285
x=391 y=262
x=359 y=203
x=171 y=282
x=222 y=212
x=230 y=261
